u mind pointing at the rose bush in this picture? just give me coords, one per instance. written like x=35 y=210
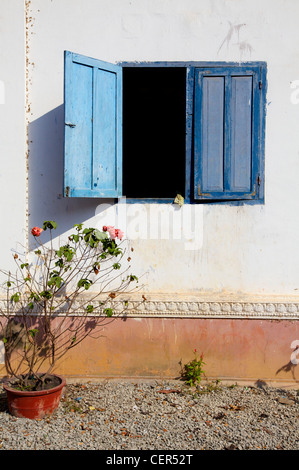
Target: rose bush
x=62 y=295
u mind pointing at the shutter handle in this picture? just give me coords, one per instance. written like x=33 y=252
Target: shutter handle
x=70 y=124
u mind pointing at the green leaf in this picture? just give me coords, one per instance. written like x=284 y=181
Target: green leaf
x=86 y=283
x=55 y=279
x=33 y=332
x=4 y=340
x=89 y=308
x=67 y=252
x=59 y=263
x=15 y=297
x=116 y=266
x=50 y=224
x=93 y=236
x=108 y=312
x=100 y=235
x=111 y=247
x=34 y=296
x=24 y=265
x=46 y=294
x=75 y=238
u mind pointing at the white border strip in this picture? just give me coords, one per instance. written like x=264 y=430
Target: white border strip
x=193 y=309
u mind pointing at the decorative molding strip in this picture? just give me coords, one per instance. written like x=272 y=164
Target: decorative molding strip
x=182 y=308
x=231 y=309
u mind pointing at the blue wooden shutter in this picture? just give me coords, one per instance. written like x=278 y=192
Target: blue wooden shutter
x=93 y=127
x=228 y=126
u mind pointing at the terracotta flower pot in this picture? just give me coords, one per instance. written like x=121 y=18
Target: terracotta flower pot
x=36 y=404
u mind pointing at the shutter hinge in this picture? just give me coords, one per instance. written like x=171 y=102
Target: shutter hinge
x=199 y=190
x=67 y=191
x=259 y=180
x=260 y=85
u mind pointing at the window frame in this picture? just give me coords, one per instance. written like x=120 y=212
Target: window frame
x=191 y=70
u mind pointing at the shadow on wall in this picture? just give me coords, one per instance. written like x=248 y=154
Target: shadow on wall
x=289 y=367
x=46 y=154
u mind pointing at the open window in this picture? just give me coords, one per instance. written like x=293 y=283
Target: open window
x=151 y=131
x=154 y=128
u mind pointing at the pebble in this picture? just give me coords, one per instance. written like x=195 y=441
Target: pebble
x=159 y=415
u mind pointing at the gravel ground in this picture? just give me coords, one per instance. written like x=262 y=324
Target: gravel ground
x=159 y=415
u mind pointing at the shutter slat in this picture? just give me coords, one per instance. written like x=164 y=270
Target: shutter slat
x=78 y=125
x=241 y=132
x=212 y=133
x=104 y=131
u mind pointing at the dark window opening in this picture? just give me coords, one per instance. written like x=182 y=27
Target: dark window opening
x=154 y=129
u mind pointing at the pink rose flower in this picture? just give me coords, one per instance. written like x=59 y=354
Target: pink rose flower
x=36 y=231
x=112 y=231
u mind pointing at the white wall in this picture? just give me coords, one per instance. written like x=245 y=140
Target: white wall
x=247 y=249
x=12 y=130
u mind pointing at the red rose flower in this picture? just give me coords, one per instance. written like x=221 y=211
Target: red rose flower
x=36 y=231
x=119 y=233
